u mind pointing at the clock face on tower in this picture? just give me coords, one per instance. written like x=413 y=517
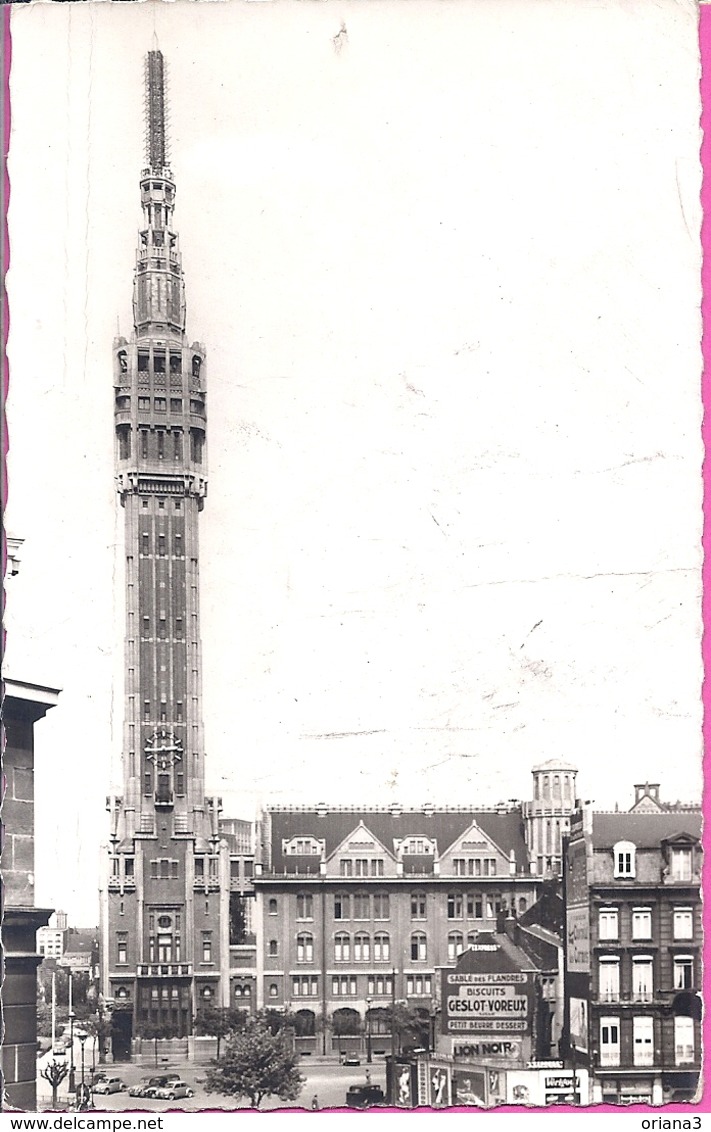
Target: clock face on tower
x=164 y=749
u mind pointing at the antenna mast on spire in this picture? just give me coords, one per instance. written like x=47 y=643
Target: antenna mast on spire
x=156 y=111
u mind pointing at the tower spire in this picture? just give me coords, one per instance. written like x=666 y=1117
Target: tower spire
x=156 y=126
x=158 y=289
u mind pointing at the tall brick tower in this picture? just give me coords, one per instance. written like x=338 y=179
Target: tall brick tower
x=165 y=895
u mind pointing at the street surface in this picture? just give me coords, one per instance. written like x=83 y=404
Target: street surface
x=328 y=1081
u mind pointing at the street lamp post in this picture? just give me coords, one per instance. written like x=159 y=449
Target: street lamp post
x=83 y=1091
x=72 y=1086
x=368 y=1036
x=392 y=1016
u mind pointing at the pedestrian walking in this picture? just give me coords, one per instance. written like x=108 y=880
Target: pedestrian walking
x=315 y=1104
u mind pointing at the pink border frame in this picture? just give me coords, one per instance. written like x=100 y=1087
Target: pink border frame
x=703 y=1105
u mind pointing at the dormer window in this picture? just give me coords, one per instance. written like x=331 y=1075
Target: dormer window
x=417 y=847
x=624 y=860
x=681 y=864
x=303 y=847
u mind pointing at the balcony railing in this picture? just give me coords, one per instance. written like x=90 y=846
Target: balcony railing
x=609 y=996
x=642 y=996
x=164 y=970
x=116 y=883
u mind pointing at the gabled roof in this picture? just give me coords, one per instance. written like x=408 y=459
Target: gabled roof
x=472 y=829
x=645 y=830
x=504 y=827
x=361 y=829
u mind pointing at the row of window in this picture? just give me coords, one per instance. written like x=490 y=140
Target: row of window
x=177 y=504
x=159 y=359
x=364 y=906
x=168 y=444
x=361 y=948
x=375 y=866
x=551 y=785
x=641 y=923
x=161 y=543
x=643 y=1042
x=475 y=866
x=350 y=986
x=159 y=404
x=163 y=947
x=362 y=867
x=643 y=987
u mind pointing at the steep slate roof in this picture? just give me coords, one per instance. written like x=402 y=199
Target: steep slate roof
x=507 y=956
x=445 y=826
x=645 y=830
x=548 y=912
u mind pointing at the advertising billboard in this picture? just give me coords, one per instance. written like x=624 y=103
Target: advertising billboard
x=579 y=1024
x=404 y=1093
x=487 y=1003
x=578 y=929
x=469 y=1087
x=577 y=917
x=439 y=1087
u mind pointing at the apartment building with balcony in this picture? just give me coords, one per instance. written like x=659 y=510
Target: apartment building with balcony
x=633 y=952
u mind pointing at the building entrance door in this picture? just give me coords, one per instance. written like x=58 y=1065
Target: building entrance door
x=121 y=1034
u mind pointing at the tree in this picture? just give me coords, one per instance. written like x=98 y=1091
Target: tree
x=55 y=1072
x=155 y=1032
x=238 y=919
x=44 y=1020
x=99 y=1026
x=218 y=1022
x=256 y=1064
x=410 y=1027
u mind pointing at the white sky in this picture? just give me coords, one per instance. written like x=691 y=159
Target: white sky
x=448 y=279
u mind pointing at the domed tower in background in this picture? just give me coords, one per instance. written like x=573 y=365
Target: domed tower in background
x=547 y=816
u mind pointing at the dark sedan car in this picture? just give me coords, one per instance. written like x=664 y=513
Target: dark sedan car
x=364 y=1096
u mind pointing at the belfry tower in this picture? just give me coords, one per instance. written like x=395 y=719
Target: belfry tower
x=165 y=895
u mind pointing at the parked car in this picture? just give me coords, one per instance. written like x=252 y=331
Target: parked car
x=110 y=1085
x=161 y=1082
x=363 y=1096
x=350 y=1059
x=139 y=1090
x=173 y=1091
